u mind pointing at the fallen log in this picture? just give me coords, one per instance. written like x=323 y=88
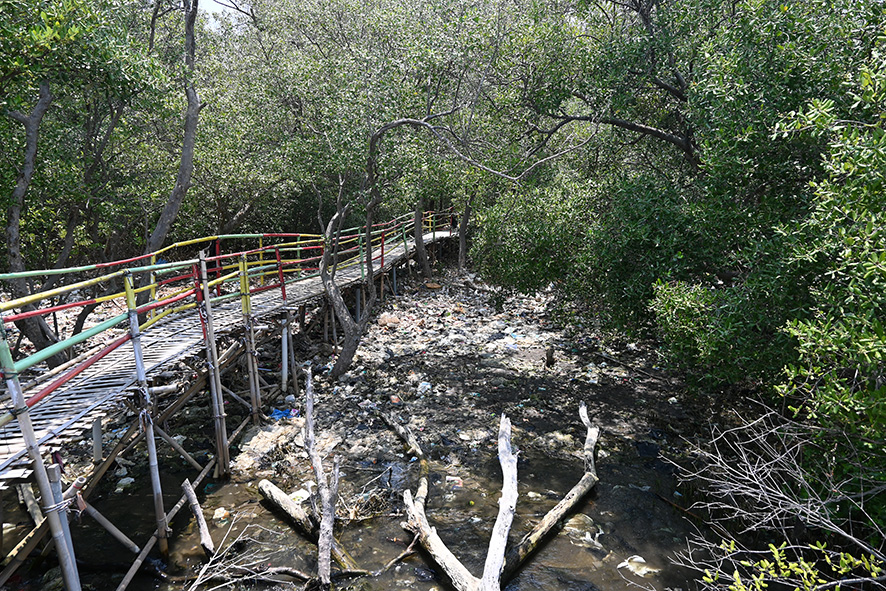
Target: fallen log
x=205 y=538
x=303 y=523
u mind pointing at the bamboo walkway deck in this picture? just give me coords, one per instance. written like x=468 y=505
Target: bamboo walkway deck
x=97 y=391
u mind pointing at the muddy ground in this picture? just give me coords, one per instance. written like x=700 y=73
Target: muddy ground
x=443 y=359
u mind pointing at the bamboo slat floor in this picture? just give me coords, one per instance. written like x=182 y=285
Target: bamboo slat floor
x=97 y=391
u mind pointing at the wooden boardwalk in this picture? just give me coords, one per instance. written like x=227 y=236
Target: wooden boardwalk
x=97 y=392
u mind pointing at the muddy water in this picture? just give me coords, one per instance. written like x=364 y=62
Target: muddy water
x=622 y=517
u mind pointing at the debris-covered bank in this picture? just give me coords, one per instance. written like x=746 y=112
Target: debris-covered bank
x=442 y=360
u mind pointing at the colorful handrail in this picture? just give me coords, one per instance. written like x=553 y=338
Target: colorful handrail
x=279 y=260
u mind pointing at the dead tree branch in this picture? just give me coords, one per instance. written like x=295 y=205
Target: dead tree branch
x=756 y=479
x=327 y=489
x=500 y=565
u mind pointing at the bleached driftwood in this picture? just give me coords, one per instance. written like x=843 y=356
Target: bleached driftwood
x=528 y=544
x=205 y=538
x=497 y=567
x=326 y=489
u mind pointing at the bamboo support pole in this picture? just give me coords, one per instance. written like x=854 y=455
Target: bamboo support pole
x=147 y=423
x=222 y=447
x=292 y=364
x=26 y=491
x=284 y=355
x=97 y=441
x=74 y=492
x=177 y=447
x=159 y=511
x=251 y=361
x=286 y=322
x=59 y=505
x=111 y=528
x=236 y=397
x=68 y=566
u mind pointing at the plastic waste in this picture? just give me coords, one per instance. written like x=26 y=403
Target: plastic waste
x=277 y=414
x=637 y=565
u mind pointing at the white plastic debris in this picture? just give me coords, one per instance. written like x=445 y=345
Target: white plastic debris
x=637 y=565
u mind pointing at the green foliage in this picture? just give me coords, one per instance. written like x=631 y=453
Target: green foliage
x=528 y=238
x=840 y=373
x=819 y=567
x=642 y=232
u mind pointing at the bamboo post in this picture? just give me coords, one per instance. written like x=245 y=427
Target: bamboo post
x=294 y=372
x=394 y=280
x=26 y=493
x=177 y=447
x=97 y=441
x=147 y=423
x=55 y=483
x=153 y=466
x=74 y=492
x=215 y=390
x=286 y=322
x=284 y=355
x=20 y=410
x=251 y=363
x=111 y=528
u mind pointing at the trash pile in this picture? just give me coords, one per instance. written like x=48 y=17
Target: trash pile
x=441 y=359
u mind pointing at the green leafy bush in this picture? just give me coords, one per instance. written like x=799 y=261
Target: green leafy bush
x=529 y=239
x=840 y=376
